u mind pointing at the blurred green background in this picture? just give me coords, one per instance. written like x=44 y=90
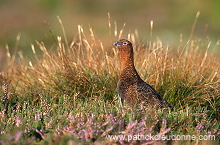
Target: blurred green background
x=36 y=19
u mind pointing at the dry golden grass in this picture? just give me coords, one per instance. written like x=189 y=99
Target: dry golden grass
x=75 y=66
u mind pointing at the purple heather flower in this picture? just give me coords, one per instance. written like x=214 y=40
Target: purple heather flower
x=58 y=130
x=26 y=130
x=18 y=136
x=167 y=130
x=164 y=121
x=72 y=119
x=122 y=142
x=142 y=123
x=18 y=121
x=2 y=113
x=40 y=132
x=105 y=123
x=133 y=116
x=89 y=120
x=93 y=115
x=121 y=122
x=66 y=127
x=72 y=131
x=37 y=116
x=94 y=131
x=200 y=126
x=106 y=131
x=131 y=125
x=109 y=129
x=86 y=133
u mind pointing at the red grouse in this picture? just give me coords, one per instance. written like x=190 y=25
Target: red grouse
x=131 y=87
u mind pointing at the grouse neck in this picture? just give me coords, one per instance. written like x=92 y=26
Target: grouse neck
x=127 y=62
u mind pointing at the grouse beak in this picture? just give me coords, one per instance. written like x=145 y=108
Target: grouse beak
x=116 y=44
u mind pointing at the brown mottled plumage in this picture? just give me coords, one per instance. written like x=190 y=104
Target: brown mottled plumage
x=130 y=86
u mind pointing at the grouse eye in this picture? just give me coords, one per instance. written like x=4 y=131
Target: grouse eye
x=125 y=43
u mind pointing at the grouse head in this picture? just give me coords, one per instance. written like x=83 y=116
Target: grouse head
x=126 y=52
x=124 y=45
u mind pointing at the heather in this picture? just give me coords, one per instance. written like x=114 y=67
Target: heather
x=66 y=94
